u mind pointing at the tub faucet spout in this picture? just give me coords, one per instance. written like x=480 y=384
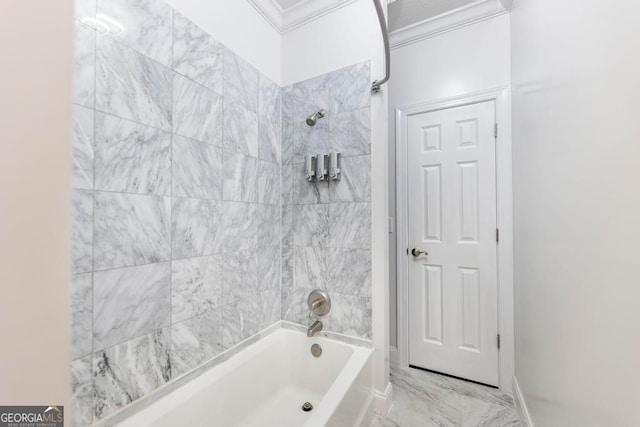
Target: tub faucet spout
x=314 y=328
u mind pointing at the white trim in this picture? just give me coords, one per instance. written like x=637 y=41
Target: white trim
x=521 y=405
x=461 y=17
x=393 y=355
x=293 y=17
x=501 y=97
x=383 y=401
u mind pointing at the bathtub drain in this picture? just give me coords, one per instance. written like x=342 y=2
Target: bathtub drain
x=306 y=406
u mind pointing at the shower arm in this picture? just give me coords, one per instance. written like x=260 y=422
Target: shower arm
x=375 y=86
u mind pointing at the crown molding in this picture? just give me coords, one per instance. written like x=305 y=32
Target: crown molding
x=286 y=20
x=449 y=21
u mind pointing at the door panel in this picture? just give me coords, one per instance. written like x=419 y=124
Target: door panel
x=453 y=309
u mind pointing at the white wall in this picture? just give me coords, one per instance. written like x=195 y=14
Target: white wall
x=466 y=60
x=237 y=25
x=35 y=202
x=344 y=37
x=576 y=134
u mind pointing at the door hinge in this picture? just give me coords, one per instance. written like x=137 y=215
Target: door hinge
x=495 y=130
x=498 y=341
x=497 y=235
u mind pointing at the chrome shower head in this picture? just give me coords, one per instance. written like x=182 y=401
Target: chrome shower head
x=312 y=119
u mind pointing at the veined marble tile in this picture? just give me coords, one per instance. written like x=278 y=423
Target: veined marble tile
x=350 y=132
x=131 y=158
x=287 y=104
x=197 y=227
x=82 y=391
x=196 y=286
x=132 y=86
x=269 y=136
x=197 y=169
x=84 y=65
x=268 y=226
x=84 y=9
x=239 y=223
x=382 y=421
x=81 y=315
x=305 y=192
x=146 y=26
x=350 y=225
x=240 y=129
x=81 y=231
x=268 y=181
x=288 y=224
x=314 y=92
x=270 y=307
x=294 y=304
x=268 y=264
x=288 y=155
x=414 y=407
x=240 y=178
x=233 y=172
x=270 y=116
x=194 y=341
x=311 y=225
x=129 y=371
x=350 y=272
x=249 y=316
x=82 y=175
x=240 y=80
x=239 y=275
x=310 y=140
x=286 y=182
x=355 y=185
x=131 y=230
x=196 y=54
x=477 y=413
x=269 y=100
x=349 y=315
x=197 y=111
x=350 y=88
x=310 y=267
x=250 y=188
x=129 y=302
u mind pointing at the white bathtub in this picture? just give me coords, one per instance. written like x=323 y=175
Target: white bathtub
x=266 y=385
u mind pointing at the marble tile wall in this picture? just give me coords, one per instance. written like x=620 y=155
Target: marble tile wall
x=326 y=227
x=176 y=202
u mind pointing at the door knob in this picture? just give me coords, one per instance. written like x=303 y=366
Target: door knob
x=417 y=252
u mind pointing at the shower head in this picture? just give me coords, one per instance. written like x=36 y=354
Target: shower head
x=312 y=119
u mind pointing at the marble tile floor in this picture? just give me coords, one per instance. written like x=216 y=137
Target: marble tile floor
x=425 y=399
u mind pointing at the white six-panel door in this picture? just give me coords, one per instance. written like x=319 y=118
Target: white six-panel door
x=453 y=307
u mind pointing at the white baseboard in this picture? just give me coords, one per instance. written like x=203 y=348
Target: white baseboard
x=521 y=405
x=393 y=355
x=383 y=401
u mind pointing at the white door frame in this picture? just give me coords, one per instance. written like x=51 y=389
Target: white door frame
x=501 y=97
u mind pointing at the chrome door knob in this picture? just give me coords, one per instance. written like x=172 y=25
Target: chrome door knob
x=417 y=252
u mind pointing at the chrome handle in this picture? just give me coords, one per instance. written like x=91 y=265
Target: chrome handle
x=417 y=252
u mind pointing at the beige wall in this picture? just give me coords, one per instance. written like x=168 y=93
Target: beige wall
x=35 y=168
x=576 y=139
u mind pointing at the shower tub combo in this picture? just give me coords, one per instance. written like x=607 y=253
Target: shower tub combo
x=276 y=381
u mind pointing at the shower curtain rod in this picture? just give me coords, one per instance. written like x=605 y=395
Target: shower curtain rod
x=375 y=86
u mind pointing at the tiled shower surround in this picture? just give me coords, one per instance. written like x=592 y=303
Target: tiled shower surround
x=180 y=191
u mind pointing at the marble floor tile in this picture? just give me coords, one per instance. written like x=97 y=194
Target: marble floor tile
x=424 y=399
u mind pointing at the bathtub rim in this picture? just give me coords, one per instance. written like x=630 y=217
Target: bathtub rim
x=172 y=385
